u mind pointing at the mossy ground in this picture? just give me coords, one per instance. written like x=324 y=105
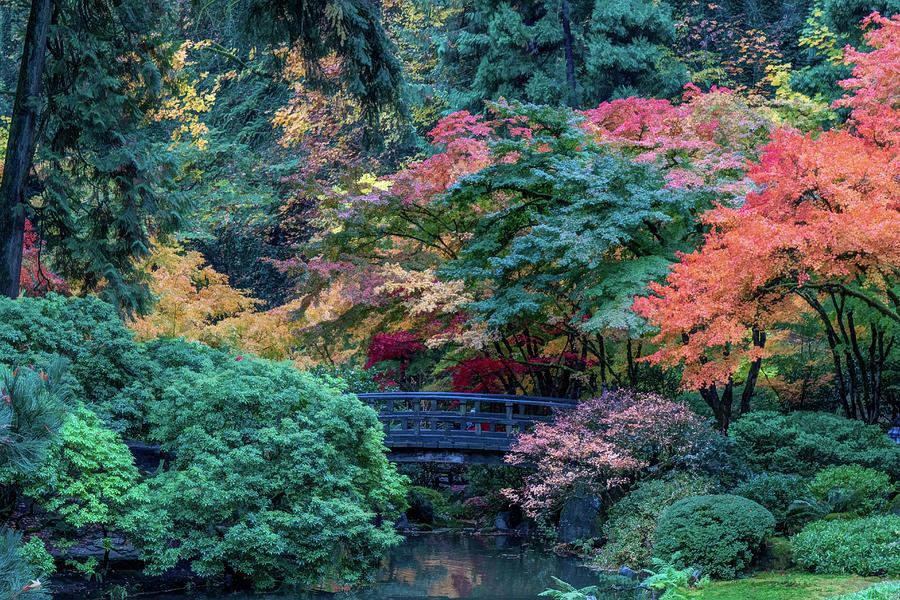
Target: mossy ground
x=783 y=586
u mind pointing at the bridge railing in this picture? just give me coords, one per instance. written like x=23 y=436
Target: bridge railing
x=436 y=419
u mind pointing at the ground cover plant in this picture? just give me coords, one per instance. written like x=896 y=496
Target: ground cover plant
x=865 y=546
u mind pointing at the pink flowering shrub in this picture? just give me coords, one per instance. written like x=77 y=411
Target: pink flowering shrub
x=601 y=444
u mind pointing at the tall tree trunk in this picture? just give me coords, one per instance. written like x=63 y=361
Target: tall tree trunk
x=570 y=57
x=20 y=147
x=759 y=340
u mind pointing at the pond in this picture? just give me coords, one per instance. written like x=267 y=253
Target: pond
x=447 y=565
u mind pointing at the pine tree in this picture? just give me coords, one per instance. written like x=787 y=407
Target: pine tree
x=18 y=578
x=30 y=417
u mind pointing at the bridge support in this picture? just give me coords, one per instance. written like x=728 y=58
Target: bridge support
x=448 y=456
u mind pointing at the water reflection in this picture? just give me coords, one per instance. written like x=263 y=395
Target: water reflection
x=439 y=566
x=456 y=566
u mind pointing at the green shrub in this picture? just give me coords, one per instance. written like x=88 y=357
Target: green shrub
x=632 y=520
x=867 y=490
x=426 y=505
x=106 y=367
x=805 y=442
x=270 y=465
x=717 y=459
x=34 y=552
x=881 y=591
x=780 y=554
x=720 y=533
x=776 y=492
x=867 y=546
x=87 y=473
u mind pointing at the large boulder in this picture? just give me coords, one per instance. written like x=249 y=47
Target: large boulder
x=578 y=519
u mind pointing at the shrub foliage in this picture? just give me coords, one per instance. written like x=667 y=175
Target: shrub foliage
x=632 y=520
x=866 y=546
x=805 y=442
x=276 y=475
x=719 y=533
x=866 y=490
x=775 y=492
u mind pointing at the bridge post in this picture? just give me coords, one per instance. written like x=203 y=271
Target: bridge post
x=433 y=424
x=477 y=412
x=417 y=408
x=509 y=417
x=462 y=413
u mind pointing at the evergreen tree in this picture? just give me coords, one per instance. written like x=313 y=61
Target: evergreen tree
x=82 y=163
x=627 y=52
x=560 y=52
x=30 y=418
x=352 y=29
x=109 y=180
x=19 y=578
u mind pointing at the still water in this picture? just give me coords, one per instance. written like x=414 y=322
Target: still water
x=438 y=566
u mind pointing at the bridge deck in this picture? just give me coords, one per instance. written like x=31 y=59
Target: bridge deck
x=477 y=425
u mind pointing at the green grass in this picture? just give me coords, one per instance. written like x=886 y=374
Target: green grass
x=784 y=586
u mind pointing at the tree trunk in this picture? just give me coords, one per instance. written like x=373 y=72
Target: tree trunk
x=20 y=147
x=570 y=57
x=759 y=340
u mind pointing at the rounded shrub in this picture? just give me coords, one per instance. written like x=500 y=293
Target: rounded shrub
x=867 y=546
x=107 y=369
x=632 y=520
x=867 y=491
x=776 y=492
x=720 y=533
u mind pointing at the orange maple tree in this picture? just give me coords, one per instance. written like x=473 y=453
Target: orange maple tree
x=821 y=235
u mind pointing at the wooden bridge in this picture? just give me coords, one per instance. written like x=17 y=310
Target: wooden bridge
x=457 y=428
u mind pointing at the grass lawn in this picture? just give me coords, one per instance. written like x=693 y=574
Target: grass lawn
x=784 y=586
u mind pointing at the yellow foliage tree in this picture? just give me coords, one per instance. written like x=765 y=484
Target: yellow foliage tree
x=196 y=302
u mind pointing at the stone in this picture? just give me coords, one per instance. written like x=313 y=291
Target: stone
x=526 y=529
x=578 y=519
x=92 y=546
x=501 y=521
